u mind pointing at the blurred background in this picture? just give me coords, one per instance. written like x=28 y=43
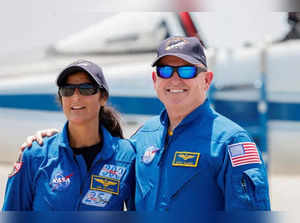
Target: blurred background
x=254 y=55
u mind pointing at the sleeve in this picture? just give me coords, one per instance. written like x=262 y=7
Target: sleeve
x=19 y=191
x=130 y=202
x=243 y=177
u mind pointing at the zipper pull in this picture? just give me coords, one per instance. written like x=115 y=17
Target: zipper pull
x=244 y=185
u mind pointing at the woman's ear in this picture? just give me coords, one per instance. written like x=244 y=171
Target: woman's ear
x=103 y=98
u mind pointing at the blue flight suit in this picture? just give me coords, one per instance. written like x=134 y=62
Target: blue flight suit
x=202 y=166
x=51 y=178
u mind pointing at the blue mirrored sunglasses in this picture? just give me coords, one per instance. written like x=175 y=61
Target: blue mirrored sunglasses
x=184 y=72
x=84 y=89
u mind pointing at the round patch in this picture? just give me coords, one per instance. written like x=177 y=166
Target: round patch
x=149 y=154
x=17 y=166
x=60 y=182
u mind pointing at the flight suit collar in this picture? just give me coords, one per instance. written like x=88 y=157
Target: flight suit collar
x=200 y=112
x=108 y=147
x=63 y=137
x=107 y=150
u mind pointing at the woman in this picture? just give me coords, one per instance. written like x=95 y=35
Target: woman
x=88 y=166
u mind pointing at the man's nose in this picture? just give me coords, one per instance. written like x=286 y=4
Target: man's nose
x=175 y=77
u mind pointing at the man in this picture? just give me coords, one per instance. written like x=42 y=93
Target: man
x=190 y=157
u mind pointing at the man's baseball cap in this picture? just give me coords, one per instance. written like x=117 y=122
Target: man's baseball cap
x=87 y=66
x=187 y=48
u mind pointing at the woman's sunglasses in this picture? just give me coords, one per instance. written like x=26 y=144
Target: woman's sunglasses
x=84 y=89
x=184 y=72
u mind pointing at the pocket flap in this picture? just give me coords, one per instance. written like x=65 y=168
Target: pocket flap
x=258 y=179
x=144 y=187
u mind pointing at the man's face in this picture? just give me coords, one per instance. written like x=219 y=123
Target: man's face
x=179 y=94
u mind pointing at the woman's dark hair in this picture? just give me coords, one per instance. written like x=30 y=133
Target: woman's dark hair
x=108 y=116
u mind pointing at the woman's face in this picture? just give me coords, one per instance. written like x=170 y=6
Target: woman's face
x=80 y=109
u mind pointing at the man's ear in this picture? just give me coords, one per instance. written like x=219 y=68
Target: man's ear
x=208 y=78
x=154 y=77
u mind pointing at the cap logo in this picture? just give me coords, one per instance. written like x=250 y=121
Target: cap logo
x=83 y=64
x=176 y=43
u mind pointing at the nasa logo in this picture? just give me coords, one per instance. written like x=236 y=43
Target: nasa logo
x=149 y=154
x=59 y=182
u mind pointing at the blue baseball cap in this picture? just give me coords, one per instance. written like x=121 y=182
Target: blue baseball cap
x=86 y=66
x=189 y=49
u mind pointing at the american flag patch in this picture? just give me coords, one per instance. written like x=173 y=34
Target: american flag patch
x=243 y=153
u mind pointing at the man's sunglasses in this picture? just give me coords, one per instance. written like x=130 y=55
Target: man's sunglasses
x=84 y=89
x=184 y=72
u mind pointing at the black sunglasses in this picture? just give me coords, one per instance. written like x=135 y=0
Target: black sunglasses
x=84 y=89
x=184 y=72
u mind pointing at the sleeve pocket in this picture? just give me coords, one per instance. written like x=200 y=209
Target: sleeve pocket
x=254 y=183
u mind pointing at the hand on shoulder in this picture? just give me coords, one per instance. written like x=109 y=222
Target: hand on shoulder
x=38 y=137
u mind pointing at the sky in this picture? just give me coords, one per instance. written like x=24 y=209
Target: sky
x=31 y=25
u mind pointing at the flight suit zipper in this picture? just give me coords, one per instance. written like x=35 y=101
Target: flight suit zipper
x=246 y=190
x=82 y=186
x=78 y=166
x=167 y=142
x=166 y=145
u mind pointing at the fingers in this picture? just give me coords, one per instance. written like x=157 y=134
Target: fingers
x=52 y=132
x=23 y=146
x=43 y=133
x=29 y=141
x=46 y=132
x=39 y=135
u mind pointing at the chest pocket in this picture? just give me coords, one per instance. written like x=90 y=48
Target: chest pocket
x=184 y=170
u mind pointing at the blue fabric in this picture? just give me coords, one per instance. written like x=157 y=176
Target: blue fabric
x=52 y=178
x=169 y=176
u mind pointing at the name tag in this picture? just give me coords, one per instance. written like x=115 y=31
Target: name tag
x=105 y=184
x=188 y=159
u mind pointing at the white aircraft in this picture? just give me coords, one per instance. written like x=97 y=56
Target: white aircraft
x=125 y=47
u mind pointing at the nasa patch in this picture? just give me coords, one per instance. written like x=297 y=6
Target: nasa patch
x=149 y=154
x=60 y=181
